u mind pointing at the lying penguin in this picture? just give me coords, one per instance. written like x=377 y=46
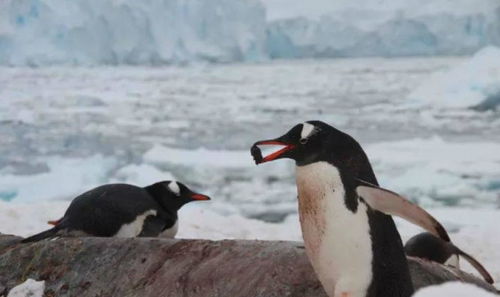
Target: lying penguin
x=123 y=210
x=350 y=238
x=428 y=246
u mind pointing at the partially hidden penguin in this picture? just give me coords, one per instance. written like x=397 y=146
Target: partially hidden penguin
x=349 y=235
x=123 y=210
x=429 y=247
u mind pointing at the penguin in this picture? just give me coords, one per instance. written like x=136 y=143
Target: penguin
x=349 y=235
x=429 y=247
x=124 y=210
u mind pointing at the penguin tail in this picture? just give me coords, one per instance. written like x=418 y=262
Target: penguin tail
x=42 y=235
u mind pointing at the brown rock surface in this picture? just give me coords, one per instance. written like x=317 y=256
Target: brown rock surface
x=173 y=268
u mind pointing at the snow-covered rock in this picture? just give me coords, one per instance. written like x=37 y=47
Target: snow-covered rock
x=40 y=32
x=455 y=289
x=472 y=83
x=30 y=288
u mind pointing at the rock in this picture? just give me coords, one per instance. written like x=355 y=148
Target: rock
x=144 y=267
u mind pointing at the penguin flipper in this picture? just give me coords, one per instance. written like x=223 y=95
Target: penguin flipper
x=480 y=268
x=392 y=203
x=42 y=235
x=152 y=227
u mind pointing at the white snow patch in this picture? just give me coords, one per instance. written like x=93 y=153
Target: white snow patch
x=465 y=85
x=455 y=289
x=30 y=288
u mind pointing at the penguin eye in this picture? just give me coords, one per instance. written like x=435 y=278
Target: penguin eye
x=303 y=140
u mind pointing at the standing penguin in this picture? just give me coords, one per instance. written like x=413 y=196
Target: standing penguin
x=428 y=246
x=350 y=238
x=123 y=210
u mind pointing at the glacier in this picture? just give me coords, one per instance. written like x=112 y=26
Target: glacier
x=157 y=32
x=425 y=30
x=90 y=32
x=475 y=83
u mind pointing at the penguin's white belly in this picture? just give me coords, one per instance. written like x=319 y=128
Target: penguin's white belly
x=134 y=228
x=337 y=240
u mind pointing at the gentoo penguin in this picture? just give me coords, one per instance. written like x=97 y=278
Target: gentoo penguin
x=124 y=210
x=350 y=238
x=428 y=246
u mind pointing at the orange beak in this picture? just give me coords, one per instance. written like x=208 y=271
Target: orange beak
x=200 y=197
x=257 y=154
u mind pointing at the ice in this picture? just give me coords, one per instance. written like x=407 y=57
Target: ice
x=455 y=289
x=30 y=288
x=141 y=174
x=472 y=83
x=200 y=157
x=64 y=178
x=139 y=125
x=436 y=171
x=92 y=32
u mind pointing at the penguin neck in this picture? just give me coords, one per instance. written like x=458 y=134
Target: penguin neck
x=158 y=191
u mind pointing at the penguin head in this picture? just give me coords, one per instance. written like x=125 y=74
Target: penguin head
x=426 y=245
x=309 y=142
x=172 y=195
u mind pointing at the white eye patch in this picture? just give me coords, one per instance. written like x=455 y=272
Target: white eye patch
x=307 y=130
x=174 y=188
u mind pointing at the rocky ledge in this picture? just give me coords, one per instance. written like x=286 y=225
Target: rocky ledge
x=161 y=267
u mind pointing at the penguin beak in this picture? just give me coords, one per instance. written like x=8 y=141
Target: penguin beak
x=196 y=196
x=257 y=153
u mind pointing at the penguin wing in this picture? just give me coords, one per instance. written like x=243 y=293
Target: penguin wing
x=392 y=203
x=480 y=268
x=152 y=227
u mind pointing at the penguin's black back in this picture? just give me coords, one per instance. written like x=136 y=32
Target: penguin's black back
x=391 y=275
x=103 y=210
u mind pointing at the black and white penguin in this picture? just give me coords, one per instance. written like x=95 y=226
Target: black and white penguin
x=123 y=210
x=429 y=247
x=350 y=238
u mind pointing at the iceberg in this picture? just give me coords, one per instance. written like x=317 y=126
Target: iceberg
x=474 y=83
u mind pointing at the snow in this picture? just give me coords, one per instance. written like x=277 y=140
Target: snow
x=30 y=288
x=165 y=32
x=130 y=32
x=455 y=289
x=465 y=85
